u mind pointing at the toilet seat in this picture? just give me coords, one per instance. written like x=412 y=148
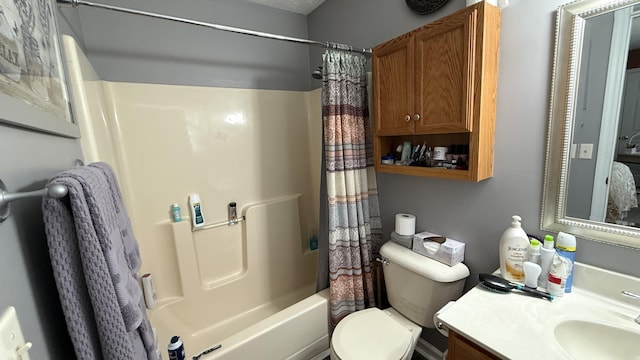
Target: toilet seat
x=370 y=334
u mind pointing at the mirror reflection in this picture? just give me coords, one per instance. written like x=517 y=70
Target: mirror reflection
x=604 y=165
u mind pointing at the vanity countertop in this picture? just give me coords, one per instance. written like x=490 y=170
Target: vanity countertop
x=518 y=326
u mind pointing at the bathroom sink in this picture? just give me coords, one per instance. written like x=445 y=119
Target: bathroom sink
x=592 y=340
x=596 y=321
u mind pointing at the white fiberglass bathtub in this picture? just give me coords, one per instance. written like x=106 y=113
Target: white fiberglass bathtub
x=297 y=332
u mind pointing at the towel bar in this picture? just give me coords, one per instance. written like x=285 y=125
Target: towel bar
x=218 y=224
x=54 y=191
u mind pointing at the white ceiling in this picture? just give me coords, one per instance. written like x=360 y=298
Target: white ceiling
x=303 y=7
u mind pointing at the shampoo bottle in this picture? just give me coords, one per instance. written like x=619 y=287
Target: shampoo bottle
x=513 y=251
x=196 y=210
x=175 y=213
x=566 y=247
x=148 y=291
x=546 y=257
x=533 y=252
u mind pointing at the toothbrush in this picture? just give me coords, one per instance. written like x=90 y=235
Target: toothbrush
x=499 y=284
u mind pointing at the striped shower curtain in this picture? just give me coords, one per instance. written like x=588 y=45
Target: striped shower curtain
x=353 y=211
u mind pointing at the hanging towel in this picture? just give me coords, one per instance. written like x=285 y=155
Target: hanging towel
x=95 y=260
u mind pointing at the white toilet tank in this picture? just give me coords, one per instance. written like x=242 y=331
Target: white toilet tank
x=418 y=286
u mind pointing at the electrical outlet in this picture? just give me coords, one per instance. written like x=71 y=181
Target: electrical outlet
x=12 y=344
x=586 y=151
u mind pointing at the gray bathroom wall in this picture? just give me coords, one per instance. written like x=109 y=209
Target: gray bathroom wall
x=69 y=22
x=478 y=213
x=134 y=48
x=366 y=23
x=28 y=160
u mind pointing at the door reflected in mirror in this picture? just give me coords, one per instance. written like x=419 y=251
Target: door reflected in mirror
x=604 y=169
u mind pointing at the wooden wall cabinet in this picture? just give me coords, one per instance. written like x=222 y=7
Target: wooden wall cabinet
x=437 y=85
x=460 y=348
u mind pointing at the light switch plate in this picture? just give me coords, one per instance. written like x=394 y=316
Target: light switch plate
x=11 y=338
x=586 y=151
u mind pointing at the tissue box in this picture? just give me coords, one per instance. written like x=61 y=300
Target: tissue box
x=440 y=248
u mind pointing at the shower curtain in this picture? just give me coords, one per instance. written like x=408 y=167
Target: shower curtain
x=354 y=230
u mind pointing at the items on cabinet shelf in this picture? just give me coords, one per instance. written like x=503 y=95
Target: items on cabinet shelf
x=451 y=157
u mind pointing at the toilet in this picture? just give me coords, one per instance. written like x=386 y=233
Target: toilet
x=417 y=287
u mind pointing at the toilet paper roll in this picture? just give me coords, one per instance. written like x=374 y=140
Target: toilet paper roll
x=405 y=224
x=436 y=320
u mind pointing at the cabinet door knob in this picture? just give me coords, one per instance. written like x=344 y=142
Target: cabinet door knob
x=416 y=117
x=407 y=118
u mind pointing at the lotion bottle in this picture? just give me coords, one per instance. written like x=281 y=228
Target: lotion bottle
x=513 y=251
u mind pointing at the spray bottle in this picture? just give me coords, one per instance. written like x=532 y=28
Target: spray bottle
x=566 y=248
x=176 y=349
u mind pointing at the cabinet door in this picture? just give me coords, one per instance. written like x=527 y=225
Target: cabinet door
x=445 y=65
x=393 y=86
x=462 y=349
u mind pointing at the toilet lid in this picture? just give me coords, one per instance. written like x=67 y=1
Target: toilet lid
x=370 y=334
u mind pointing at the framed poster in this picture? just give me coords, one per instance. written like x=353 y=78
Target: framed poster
x=33 y=89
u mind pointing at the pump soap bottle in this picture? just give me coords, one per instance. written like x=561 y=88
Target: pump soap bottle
x=513 y=251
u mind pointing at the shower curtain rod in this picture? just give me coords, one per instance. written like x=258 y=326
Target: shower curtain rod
x=328 y=45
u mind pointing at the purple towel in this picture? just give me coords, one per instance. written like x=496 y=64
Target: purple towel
x=95 y=259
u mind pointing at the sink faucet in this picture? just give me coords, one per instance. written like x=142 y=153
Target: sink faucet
x=633 y=296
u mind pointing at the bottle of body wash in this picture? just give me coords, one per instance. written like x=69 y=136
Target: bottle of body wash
x=533 y=252
x=513 y=251
x=546 y=257
x=195 y=208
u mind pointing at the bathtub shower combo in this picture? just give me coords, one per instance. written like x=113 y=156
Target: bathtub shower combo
x=229 y=289
x=236 y=288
